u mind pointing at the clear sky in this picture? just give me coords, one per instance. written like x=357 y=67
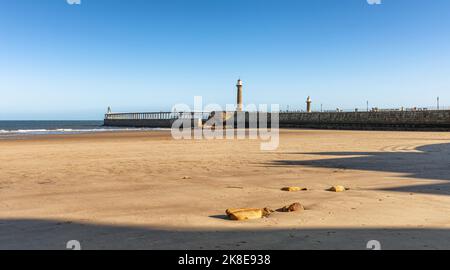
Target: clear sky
x=61 y=61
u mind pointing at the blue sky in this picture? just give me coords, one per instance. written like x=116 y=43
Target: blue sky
x=60 y=61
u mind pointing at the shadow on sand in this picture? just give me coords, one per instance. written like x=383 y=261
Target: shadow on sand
x=430 y=162
x=53 y=234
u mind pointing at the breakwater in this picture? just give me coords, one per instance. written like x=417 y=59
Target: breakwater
x=381 y=120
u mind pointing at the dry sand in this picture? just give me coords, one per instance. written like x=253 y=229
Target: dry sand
x=144 y=190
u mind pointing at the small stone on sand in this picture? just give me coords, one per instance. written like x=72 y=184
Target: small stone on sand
x=294 y=189
x=245 y=213
x=293 y=208
x=338 y=189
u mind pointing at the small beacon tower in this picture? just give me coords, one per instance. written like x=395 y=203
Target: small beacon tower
x=308 y=104
x=239 y=96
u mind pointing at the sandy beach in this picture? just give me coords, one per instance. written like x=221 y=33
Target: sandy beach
x=145 y=190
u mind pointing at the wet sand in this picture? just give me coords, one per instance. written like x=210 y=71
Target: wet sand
x=144 y=190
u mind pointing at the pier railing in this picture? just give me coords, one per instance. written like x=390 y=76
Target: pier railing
x=206 y=115
x=157 y=116
x=404 y=109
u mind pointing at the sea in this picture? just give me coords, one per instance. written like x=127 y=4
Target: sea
x=15 y=128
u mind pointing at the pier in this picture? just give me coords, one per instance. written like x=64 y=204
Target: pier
x=153 y=119
x=375 y=119
x=432 y=120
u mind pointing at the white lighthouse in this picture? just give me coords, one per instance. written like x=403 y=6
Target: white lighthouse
x=308 y=104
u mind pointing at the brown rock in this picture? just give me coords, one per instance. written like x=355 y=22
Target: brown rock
x=293 y=208
x=338 y=189
x=294 y=189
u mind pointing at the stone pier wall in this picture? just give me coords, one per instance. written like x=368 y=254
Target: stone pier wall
x=387 y=120
x=146 y=123
x=139 y=123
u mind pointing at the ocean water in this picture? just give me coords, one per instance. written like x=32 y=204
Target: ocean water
x=14 y=128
